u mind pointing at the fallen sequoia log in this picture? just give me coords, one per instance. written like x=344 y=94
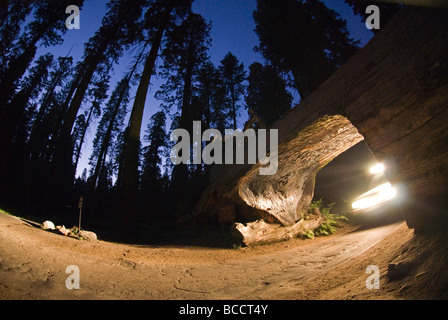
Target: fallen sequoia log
x=284 y=197
x=393 y=93
x=287 y=194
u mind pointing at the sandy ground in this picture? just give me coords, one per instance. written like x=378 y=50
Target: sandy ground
x=33 y=265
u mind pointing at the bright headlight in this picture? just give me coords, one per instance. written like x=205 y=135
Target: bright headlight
x=375 y=197
x=377 y=169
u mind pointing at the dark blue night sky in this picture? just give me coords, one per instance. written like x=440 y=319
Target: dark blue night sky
x=233 y=27
x=232 y=30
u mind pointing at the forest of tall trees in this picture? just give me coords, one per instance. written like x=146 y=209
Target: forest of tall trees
x=49 y=103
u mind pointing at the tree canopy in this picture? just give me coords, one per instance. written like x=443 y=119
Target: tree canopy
x=302 y=38
x=52 y=106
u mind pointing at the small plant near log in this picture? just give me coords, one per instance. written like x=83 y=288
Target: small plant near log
x=309 y=234
x=330 y=223
x=74 y=232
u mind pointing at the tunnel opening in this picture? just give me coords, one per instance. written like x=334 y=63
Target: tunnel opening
x=341 y=180
x=393 y=95
x=354 y=184
x=327 y=158
x=287 y=194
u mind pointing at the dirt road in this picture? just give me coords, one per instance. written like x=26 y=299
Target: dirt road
x=33 y=265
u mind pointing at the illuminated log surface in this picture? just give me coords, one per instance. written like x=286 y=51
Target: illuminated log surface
x=287 y=194
x=259 y=232
x=394 y=91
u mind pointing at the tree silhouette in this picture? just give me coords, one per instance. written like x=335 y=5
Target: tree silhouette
x=158 y=20
x=98 y=94
x=15 y=125
x=184 y=53
x=46 y=28
x=303 y=38
x=13 y=115
x=266 y=93
x=109 y=127
x=210 y=93
x=233 y=75
x=120 y=28
x=12 y=15
x=44 y=126
x=152 y=184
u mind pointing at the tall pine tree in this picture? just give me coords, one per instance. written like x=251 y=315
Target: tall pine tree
x=46 y=28
x=183 y=55
x=15 y=126
x=121 y=27
x=233 y=75
x=158 y=19
x=303 y=38
x=152 y=184
x=267 y=95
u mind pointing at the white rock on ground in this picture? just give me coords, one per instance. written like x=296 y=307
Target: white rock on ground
x=48 y=225
x=88 y=235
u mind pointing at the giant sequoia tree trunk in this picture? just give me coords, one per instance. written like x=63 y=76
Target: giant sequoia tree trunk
x=80 y=92
x=16 y=69
x=63 y=146
x=129 y=182
x=179 y=177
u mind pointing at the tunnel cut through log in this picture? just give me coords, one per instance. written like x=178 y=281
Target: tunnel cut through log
x=394 y=91
x=283 y=199
x=287 y=194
